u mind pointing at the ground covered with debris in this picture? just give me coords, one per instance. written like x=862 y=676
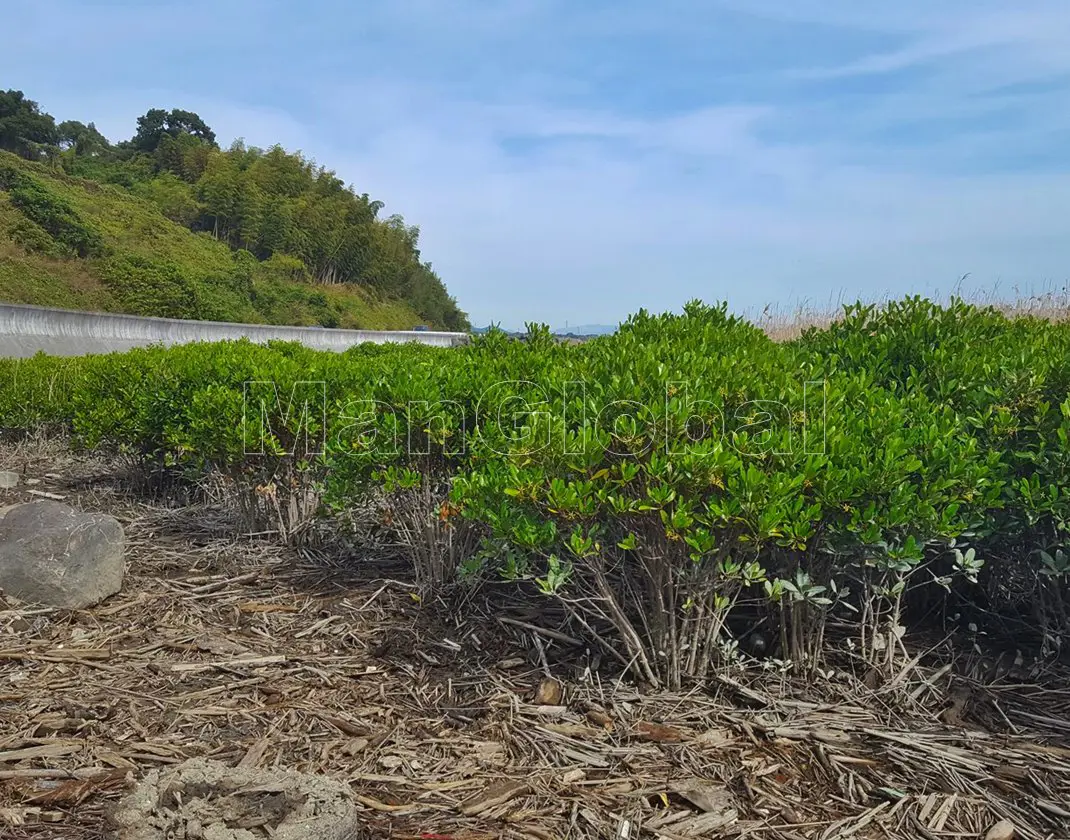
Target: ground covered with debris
x=320 y=681
x=210 y=800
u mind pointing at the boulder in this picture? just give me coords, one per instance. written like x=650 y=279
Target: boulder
x=8 y=480
x=52 y=554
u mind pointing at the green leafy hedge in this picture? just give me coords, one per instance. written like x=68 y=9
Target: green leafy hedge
x=904 y=463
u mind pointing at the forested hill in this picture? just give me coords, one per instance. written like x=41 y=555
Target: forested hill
x=167 y=223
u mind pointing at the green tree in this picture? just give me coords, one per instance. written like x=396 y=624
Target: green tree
x=183 y=155
x=24 y=128
x=157 y=123
x=173 y=196
x=218 y=190
x=81 y=139
x=187 y=122
x=151 y=127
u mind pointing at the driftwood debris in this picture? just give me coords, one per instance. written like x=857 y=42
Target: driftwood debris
x=257 y=656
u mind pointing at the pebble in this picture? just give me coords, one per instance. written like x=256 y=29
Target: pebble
x=549 y=693
x=1003 y=830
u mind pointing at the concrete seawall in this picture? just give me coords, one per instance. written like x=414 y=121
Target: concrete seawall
x=26 y=330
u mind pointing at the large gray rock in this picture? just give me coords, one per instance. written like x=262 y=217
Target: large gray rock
x=52 y=554
x=8 y=479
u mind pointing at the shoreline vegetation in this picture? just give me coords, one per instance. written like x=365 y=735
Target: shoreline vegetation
x=939 y=487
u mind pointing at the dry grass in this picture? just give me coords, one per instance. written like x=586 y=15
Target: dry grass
x=322 y=661
x=785 y=323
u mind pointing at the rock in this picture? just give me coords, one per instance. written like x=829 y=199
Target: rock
x=1003 y=830
x=53 y=554
x=549 y=693
x=8 y=480
x=207 y=799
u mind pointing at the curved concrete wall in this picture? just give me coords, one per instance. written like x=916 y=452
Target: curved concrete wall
x=26 y=330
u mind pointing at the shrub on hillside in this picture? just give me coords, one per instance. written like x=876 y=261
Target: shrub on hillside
x=50 y=213
x=35 y=239
x=150 y=287
x=173 y=196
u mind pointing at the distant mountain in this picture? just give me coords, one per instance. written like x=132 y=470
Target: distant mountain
x=578 y=330
x=586 y=329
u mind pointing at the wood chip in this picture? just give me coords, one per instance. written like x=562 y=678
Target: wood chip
x=705 y=795
x=248 y=662
x=43 y=751
x=658 y=733
x=44 y=494
x=493 y=796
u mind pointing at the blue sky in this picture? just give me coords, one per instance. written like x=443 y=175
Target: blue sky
x=575 y=161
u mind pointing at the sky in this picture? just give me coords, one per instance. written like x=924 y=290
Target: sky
x=573 y=162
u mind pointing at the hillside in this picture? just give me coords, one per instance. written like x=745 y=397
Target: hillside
x=167 y=224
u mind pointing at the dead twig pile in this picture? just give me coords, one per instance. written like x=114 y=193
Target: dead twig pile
x=263 y=656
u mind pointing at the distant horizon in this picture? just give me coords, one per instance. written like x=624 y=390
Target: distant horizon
x=1011 y=298
x=589 y=329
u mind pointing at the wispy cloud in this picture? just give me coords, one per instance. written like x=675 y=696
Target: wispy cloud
x=1020 y=43
x=578 y=161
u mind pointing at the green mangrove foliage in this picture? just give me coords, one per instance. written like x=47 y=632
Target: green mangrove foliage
x=904 y=463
